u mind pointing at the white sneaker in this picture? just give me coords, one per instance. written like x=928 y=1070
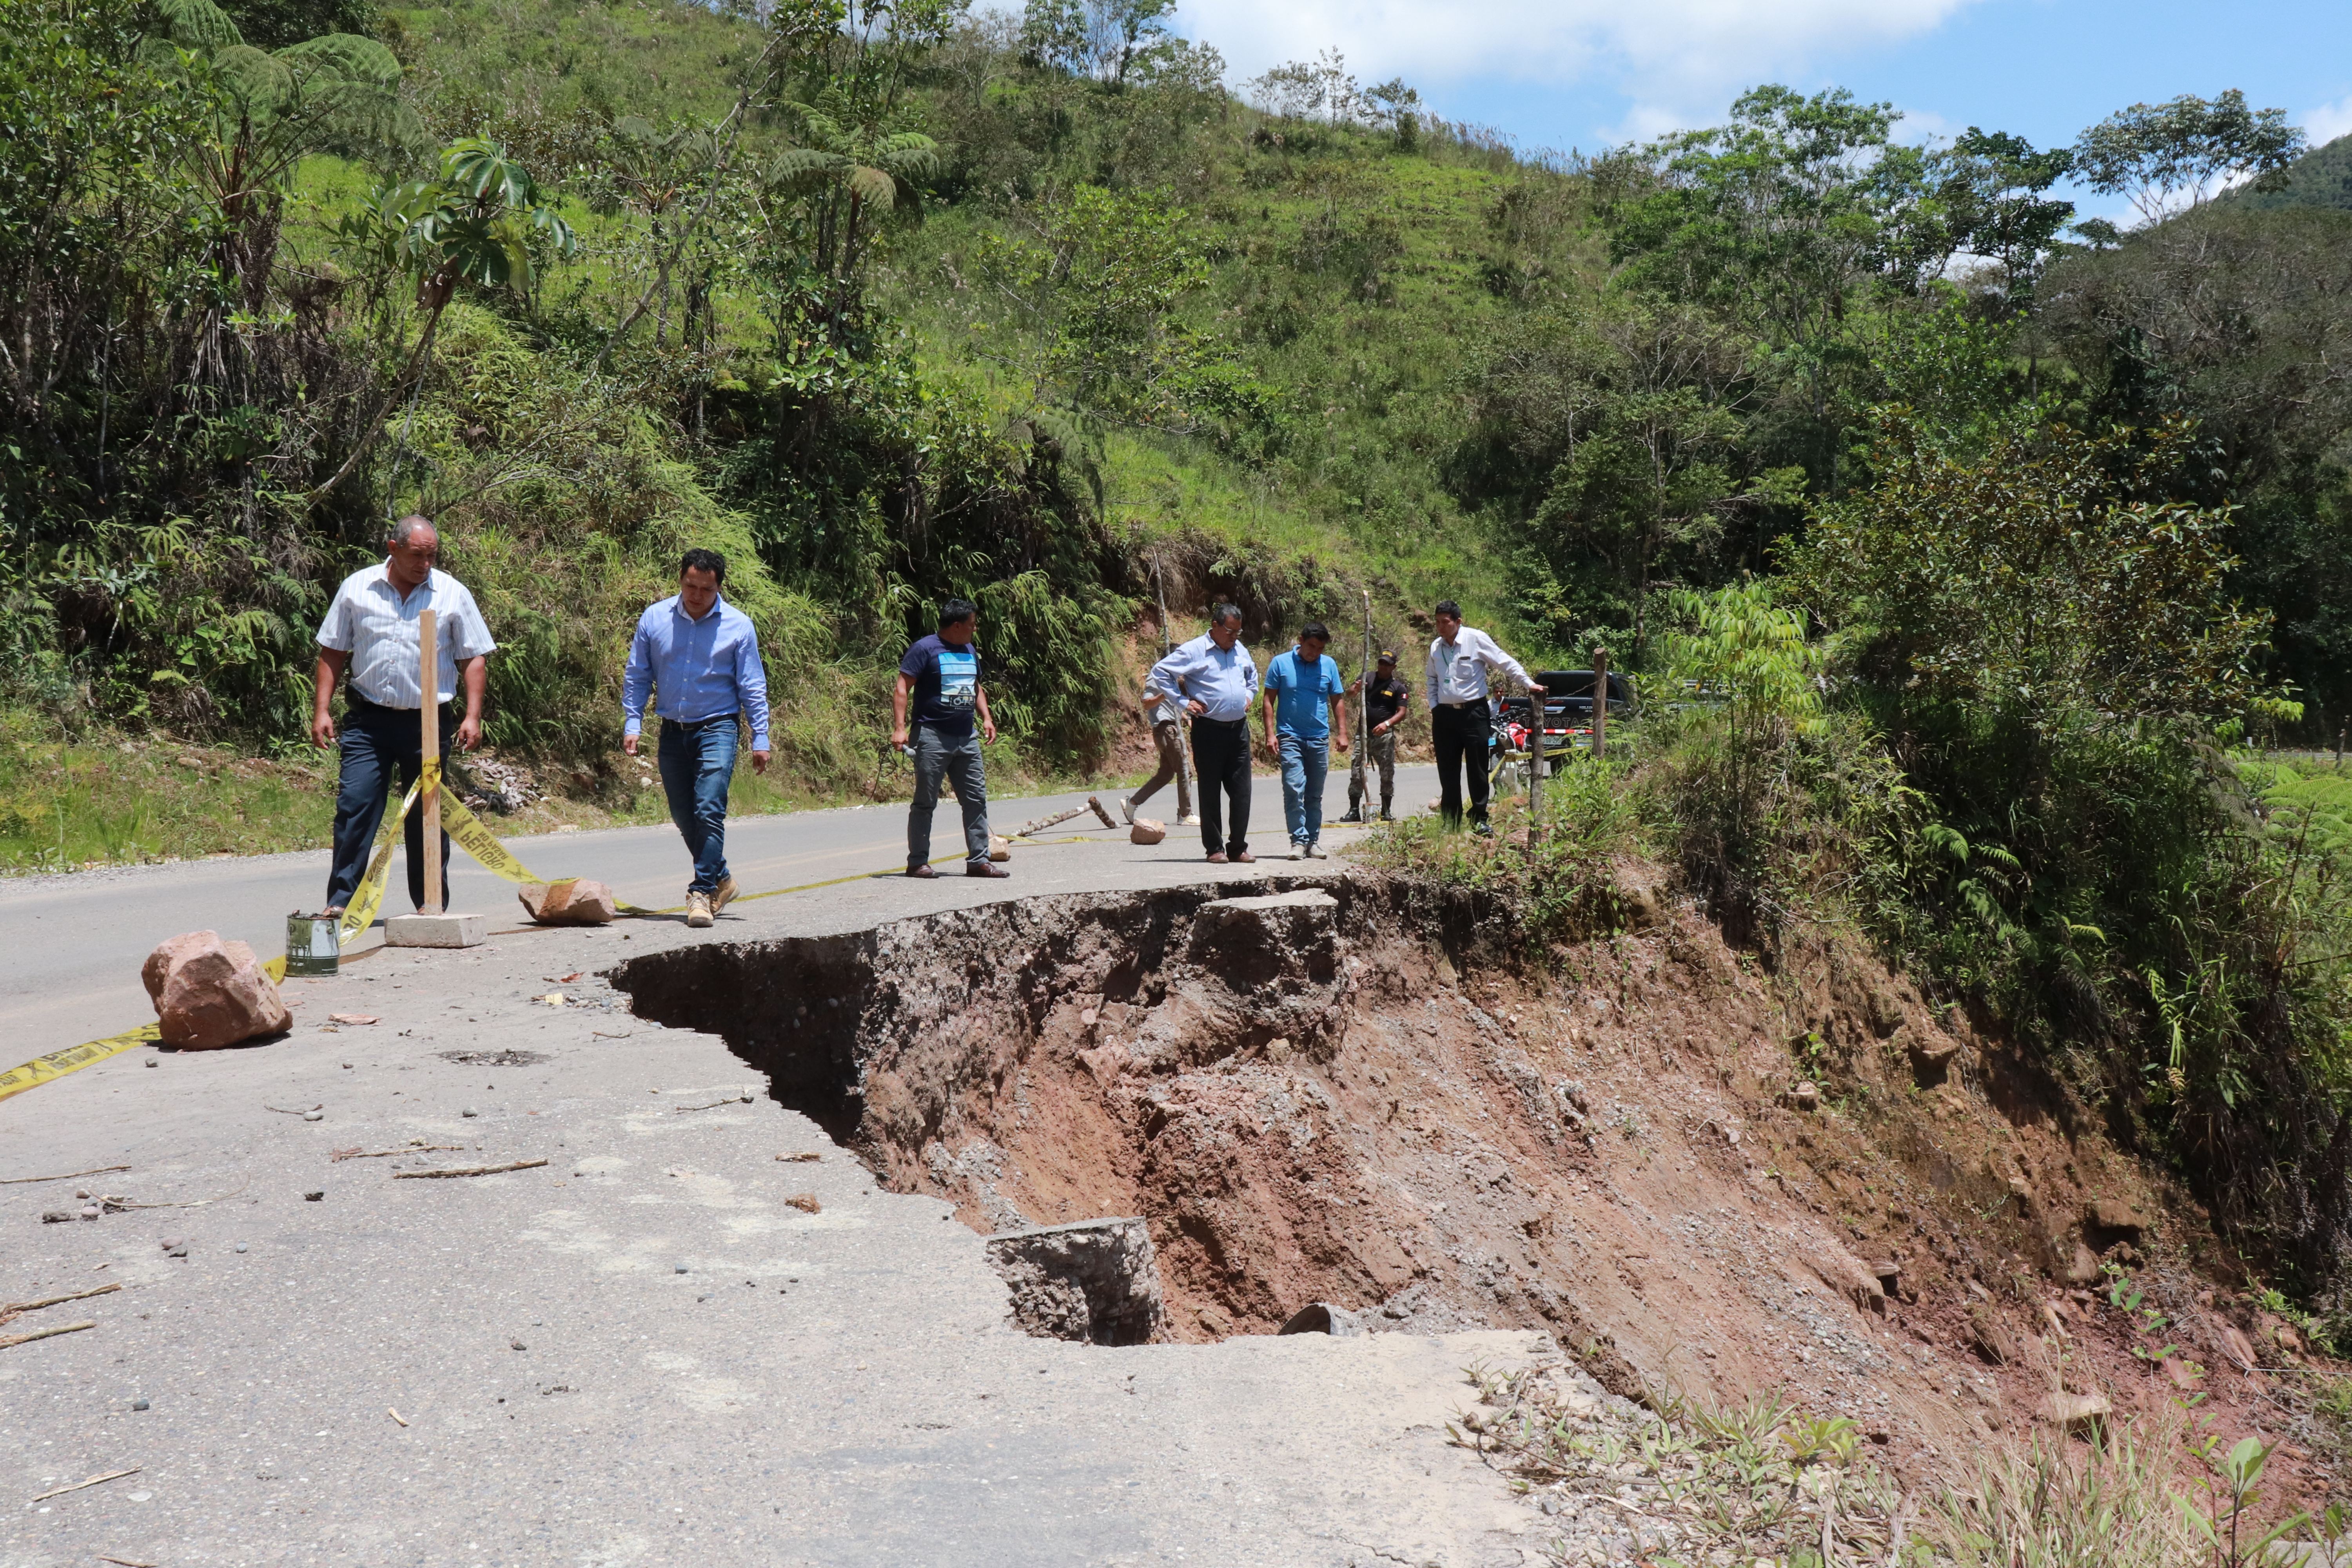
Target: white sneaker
x=1298 y=850
x=697 y=909
x=1191 y=821
x=1126 y=810
x=1314 y=852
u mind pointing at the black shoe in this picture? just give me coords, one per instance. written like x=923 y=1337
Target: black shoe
x=1483 y=830
x=1355 y=813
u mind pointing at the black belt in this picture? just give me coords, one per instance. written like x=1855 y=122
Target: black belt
x=1220 y=723
x=353 y=700
x=700 y=723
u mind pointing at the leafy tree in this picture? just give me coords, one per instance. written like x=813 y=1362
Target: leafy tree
x=1995 y=195
x=1105 y=39
x=2171 y=158
x=274 y=24
x=2036 y=578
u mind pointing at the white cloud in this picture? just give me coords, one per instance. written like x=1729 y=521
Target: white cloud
x=2328 y=121
x=1678 y=61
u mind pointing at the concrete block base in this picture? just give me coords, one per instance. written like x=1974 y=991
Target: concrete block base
x=436 y=930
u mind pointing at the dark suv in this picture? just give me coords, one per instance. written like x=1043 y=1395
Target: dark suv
x=1567 y=713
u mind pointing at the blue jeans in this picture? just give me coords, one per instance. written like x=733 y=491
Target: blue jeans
x=382 y=746
x=958 y=762
x=698 y=764
x=1304 y=765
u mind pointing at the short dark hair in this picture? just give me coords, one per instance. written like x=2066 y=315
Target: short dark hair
x=1448 y=607
x=957 y=611
x=709 y=560
x=1315 y=631
x=1222 y=613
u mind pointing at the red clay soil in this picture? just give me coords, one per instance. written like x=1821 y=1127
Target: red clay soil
x=1320 y=1104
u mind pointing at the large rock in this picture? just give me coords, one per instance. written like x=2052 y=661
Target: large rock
x=209 y=993
x=1147 y=831
x=576 y=902
x=1096 y=1279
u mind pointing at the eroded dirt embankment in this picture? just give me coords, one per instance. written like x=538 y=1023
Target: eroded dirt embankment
x=1364 y=1092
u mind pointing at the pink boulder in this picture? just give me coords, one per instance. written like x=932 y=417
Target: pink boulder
x=575 y=902
x=209 y=993
x=1147 y=831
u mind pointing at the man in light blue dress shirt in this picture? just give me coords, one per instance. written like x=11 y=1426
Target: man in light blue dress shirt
x=701 y=655
x=1217 y=680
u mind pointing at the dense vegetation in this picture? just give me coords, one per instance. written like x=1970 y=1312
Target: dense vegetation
x=2002 y=528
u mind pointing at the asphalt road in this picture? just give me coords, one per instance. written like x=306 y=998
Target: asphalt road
x=73 y=944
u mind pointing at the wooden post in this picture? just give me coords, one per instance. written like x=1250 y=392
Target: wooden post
x=428 y=709
x=1600 y=699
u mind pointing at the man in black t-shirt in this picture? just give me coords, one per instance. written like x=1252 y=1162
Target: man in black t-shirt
x=941 y=677
x=1384 y=703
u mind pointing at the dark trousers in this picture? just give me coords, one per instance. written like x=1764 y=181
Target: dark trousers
x=1220 y=757
x=1463 y=738
x=377 y=744
x=958 y=764
x=698 y=764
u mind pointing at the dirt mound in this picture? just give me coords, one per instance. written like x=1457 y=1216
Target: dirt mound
x=1365 y=1092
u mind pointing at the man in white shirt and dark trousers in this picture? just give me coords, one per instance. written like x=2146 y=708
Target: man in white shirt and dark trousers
x=1460 y=721
x=698 y=657
x=372 y=629
x=1217 y=680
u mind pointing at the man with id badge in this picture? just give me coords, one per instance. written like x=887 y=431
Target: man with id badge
x=940 y=679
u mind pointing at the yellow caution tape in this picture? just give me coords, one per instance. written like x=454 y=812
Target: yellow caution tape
x=73 y=1058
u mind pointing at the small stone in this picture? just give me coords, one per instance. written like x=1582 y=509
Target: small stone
x=138 y=1405
x=240 y=1247
x=57 y=1216
x=180 y=1251
x=171 y=1242
x=468 y=1111
x=90 y=1212
x=313 y=1197
x=314 y=1116
x=2084 y=1267
x=1806 y=1095
x=151 y=1061
x=681 y=1267
x=517 y=1343
x=2077 y=1412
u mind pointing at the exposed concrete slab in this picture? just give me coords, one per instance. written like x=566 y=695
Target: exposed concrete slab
x=835 y=1387
x=436 y=930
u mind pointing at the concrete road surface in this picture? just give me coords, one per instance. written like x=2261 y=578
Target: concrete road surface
x=647 y=1351
x=71 y=946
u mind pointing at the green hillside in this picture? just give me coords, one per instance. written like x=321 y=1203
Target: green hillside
x=2320 y=178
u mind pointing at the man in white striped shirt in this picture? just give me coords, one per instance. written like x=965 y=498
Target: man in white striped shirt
x=373 y=628
x=1461 y=719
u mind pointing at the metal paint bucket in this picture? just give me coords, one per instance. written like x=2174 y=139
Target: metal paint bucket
x=314 y=943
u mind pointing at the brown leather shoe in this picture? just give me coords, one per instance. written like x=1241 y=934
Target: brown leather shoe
x=1245 y=858
x=924 y=872
x=1216 y=857
x=983 y=868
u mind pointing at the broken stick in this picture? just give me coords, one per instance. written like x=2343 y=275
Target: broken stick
x=94 y=1480
x=14 y=1180
x=13 y=1308
x=25 y=1339
x=469 y=1170
x=1097 y=805
x=1054 y=821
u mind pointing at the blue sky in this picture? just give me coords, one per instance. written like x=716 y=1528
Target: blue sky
x=1586 y=73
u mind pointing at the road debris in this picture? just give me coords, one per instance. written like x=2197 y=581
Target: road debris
x=101 y=1171
x=353 y=1018
x=395 y=1414
x=732 y=1099
x=30 y=1336
x=120 y=1204
x=14 y=1309
x=800 y=1159
x=553 y=999
x=94 y=1480
x=310 y=1115
x=804 y=1202
x=469 y=1170
x=414 y=1146
x=312 y=1197
x=563 y=979
x=125 y=1562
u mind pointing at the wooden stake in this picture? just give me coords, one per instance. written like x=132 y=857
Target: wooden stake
x=1600 y=698
x=428 y=708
